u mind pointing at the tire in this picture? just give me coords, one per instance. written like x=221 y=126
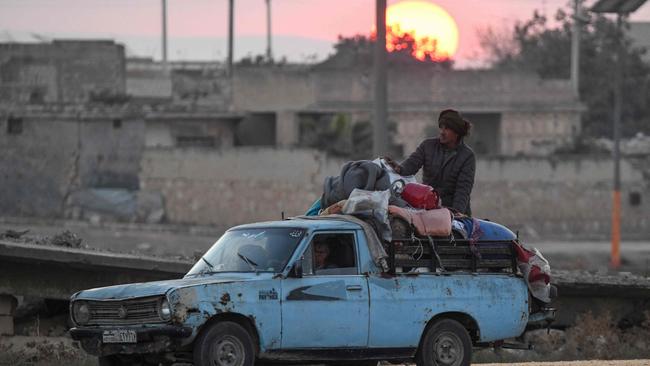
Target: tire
x=446 y=343
x=224 y=344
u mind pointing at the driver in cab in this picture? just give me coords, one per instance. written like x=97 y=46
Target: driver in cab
x=321 y=256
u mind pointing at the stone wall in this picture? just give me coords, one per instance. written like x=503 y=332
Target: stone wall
x=231 y=187
x=543 y=198
x=565 y=198
x=37 y=167
x=265 y=89
x=64 y=71
x=56 y=154
x=110 y=152
x=530 y=116
x=537 y=133
x=171 y=129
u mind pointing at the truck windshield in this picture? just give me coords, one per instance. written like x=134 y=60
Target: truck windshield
x=250 y=250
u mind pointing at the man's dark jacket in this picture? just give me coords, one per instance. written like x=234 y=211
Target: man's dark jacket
x=449 y=171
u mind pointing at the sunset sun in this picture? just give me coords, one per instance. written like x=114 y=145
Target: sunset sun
x=434 y=30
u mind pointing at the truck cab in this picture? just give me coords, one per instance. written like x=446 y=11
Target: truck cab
x=301 y=290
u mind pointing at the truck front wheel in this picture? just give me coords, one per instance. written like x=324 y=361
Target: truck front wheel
x=446 y=343
x=224 y=344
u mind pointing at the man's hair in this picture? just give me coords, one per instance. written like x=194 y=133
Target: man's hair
x=453 y=120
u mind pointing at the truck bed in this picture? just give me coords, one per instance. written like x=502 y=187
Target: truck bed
x=449 y=254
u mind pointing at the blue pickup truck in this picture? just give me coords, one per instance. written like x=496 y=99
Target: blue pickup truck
x=305 y=290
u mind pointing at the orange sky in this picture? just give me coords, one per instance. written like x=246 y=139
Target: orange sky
x=317 y=22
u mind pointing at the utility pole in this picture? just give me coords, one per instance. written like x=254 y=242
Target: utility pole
x=164 y=34
x=621 y=8
x=269 y=53
x=231 y=21
x=616 y=199
x=575 y=48
x=381 y=89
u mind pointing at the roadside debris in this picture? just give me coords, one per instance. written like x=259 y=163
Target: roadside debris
x=64 y=239
x=12 y=234
x=67 y=239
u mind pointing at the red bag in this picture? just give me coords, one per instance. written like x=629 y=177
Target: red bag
x=421 y=196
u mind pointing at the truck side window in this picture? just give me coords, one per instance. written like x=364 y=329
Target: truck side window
x=331 y=254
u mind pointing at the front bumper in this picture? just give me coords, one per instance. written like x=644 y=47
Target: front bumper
x=158 y=339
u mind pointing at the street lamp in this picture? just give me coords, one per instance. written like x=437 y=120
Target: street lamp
x=380 y=139
x=621 y=8
x=164 y=34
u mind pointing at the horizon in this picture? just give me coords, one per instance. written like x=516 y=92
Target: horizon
x=303 y=30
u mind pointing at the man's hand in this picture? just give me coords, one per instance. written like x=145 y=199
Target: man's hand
x=391 y=163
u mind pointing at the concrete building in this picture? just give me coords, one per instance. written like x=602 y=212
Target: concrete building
x=188 y=145
x=513 y=114
x=49 y=153
x=63 y=71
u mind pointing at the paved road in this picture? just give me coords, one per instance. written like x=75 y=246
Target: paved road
x=595 y=255
x=578 y=363
x=174 y=240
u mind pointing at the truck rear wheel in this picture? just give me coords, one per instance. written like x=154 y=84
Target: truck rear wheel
x=224 y=344
x=446 y=343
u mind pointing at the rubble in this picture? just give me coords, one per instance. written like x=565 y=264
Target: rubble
x=12 y=234
x=67 y=239
x=42 y=351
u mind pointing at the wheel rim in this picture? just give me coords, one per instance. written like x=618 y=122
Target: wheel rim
x=448 y=349
x=228 y=351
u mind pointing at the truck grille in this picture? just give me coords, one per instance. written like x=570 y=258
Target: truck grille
x=124 y=312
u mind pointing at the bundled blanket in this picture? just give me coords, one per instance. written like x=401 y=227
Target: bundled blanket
x=362 y=174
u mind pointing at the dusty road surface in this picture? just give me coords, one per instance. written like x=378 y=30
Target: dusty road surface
x=576 y=363
x=187 y=241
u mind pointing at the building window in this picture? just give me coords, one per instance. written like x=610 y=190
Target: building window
x=196 y=141
x=117 y=123
x=37 y=97
x=635 y=199
x=14 y=125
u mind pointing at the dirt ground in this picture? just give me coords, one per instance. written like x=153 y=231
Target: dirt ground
x=597 y=338
x=580 y=363
x=186 y=241
x=42 y=351
x=55 y=351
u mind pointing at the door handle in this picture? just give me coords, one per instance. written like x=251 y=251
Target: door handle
x=353 y=288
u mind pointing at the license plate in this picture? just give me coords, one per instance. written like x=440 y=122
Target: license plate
x=120 y=336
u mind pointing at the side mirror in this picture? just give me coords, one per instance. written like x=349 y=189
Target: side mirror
x=296 y=270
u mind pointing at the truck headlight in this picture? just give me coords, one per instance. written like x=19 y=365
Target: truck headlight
x=81 y=312
x=165 y=311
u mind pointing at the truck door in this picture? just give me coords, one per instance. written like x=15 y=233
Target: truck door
x=328 y=306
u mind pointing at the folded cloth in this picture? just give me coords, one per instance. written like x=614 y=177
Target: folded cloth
x=426 y=222
x=334 y=209
x=536 y=271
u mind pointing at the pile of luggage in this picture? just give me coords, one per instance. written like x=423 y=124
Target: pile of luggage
x=419 y=235
x=396 y=206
